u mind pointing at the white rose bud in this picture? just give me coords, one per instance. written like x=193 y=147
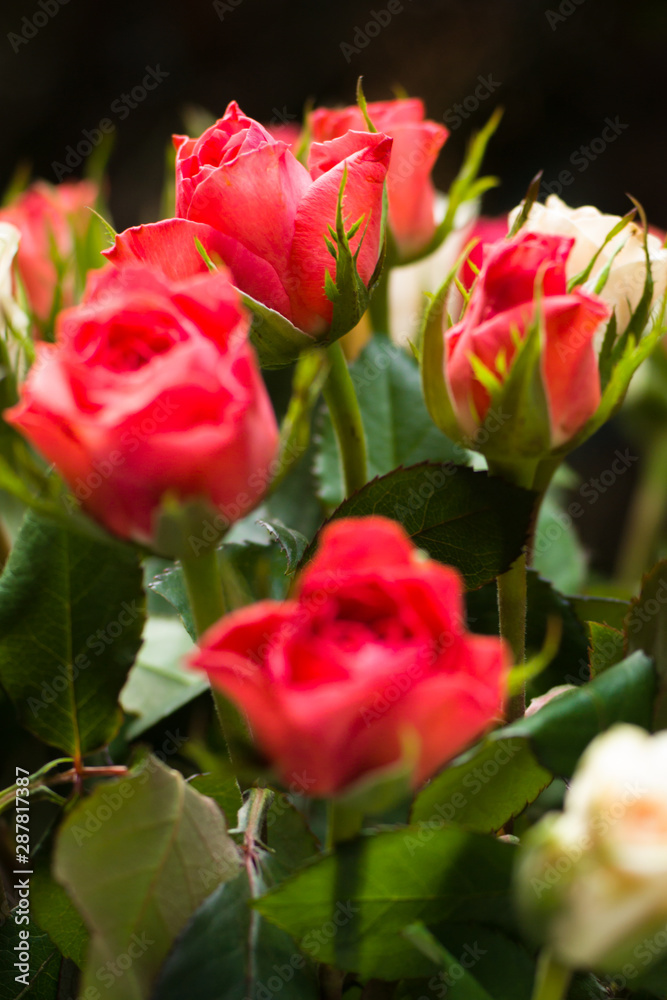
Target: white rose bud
x=592 y=880
x=10 y=312
x=589 y=228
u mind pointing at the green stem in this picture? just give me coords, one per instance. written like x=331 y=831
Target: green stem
x=344 y=823
x=512 y=592
x=346 y=419
x=203 y=584
x=646 y=515
x=552 y=979
x=378 y=306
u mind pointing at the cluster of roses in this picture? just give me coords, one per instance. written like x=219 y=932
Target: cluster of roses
x=159 y=352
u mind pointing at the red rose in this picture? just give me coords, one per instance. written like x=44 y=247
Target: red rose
x=416 y=146
x=371 y=651
x=501 y=309
x=487 y=232
x=151 y=387
x=251 y=203
x=48 y=219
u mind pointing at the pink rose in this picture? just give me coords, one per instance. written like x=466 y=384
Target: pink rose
x=369 y=658
x=417 y=143
x=151 y=387
x=265 y=215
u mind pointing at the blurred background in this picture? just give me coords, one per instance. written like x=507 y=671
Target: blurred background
x=559 y=67
x=582 y=82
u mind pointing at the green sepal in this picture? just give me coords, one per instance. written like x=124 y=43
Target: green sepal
x=583 y=276
x=347 y=291
x=527 y=203
x=467 y=186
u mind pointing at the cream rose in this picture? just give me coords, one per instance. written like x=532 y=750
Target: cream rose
x=589 y=228
x=595 y=876
x=10 y=312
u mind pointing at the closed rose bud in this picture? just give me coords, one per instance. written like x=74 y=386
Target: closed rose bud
x=589 y=227
x=592 y=881
x=561 y=385
x=152 y=388
x=370 y=655
x=417 y=142
x=49 y=218
x=10 y=312
x=255 y=207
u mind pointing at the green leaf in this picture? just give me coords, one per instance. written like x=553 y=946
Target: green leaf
x=223 y=789
x=646 y=629
x=558 y=554
x=453 y=971
x=73 y=609
x=562 y=729
x=138 y=857
x=470 y=520
x=478 y=958
x=494 y=781
x=605 y=610
x=41 y=982
x=399 y=430
x=275 y=339
x=292 y=542
x=606 y=647
x=483 y=789
x=370 y=889
x=54 y=912
x=227 y=953
x=570 y=664
x=158 y=684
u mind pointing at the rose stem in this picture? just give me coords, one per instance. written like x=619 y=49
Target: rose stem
x=513 y=585
x=378 y=306
x=551 y=980
x=343 y=823
x=203 y=584
x=646 y=514
x=346 y=419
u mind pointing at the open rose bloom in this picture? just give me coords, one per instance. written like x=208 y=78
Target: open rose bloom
x=151 y=388
x=369 y=657
x=250 y=202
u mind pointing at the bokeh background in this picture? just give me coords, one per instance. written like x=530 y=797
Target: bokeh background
x=561 y=68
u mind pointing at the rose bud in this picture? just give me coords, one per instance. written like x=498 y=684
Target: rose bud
x=49 y=219
x=591 y=881
x=151 y=388
x=560 y=379
x=369 y=655
x=252 y=205
x=10 y=312
x=624 y=253
x=417 y=142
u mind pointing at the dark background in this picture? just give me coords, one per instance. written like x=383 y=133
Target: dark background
x=559 y=76
x=559 y=67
